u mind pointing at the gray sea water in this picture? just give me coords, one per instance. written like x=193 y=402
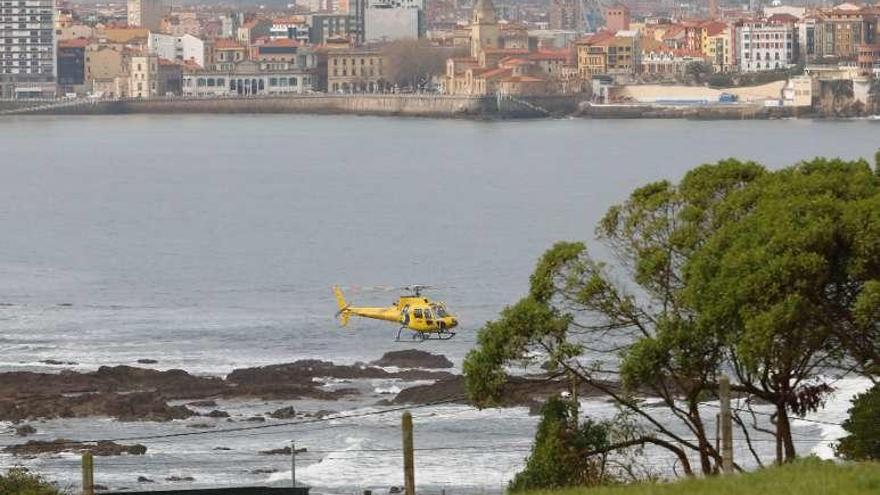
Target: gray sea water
x=211 y=242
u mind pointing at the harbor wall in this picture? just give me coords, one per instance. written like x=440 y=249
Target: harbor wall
x=388 y=105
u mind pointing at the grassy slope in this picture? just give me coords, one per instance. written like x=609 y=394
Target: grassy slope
x=808 y=477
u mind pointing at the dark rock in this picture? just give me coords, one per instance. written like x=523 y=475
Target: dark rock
x=55 y=362
x=138 y=406
x=296 y=380
x=203 y=403
x=144 y=479
x=284 y=451
x=413 y=358
x=394 y=489
x=283 y=413
x=222 y=448
x=518 y=391
x=100 y=488
x=179 y=478
x=147 y=361
x=323 y=413
x=256 y=419
x=25 y=430
x=264 y=471
x=203 y=426
x=141 y=394
x=37 y=447
x=216 y=413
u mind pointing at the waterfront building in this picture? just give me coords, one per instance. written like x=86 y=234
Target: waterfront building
x=868 y=60
x=356 y=70
x=665 y=63
x=765 y=45
x=71 y=65
x=225 y=51
x=27 y=41
x=143 y=76
x=604 y=53
x=177 y=48
x=799 y=91
x=106 y=70
x=718 y=46
x=147 y=13
x=845 y=27
x=249 y=78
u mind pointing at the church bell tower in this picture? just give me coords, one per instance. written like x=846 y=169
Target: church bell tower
x=484 y=28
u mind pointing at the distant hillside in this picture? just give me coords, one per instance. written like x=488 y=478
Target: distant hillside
x=807 y=477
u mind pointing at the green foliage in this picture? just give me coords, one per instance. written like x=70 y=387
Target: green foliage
x=795 y=278
x=863 y=426
x=20 y=481
x=564 y=453
x=697 y=72
x=803 y=477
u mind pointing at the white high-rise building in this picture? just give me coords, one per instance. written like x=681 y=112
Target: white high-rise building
x=27 y=48
x=177 y=48
x=147 y=13
x=765 y=45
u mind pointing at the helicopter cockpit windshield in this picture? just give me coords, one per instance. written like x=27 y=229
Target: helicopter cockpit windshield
x=439 y=310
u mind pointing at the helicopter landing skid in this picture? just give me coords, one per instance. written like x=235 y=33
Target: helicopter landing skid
x=423 y=336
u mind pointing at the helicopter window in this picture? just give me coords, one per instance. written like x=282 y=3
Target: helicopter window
x=427 y=314
x=440 y=311
x=417 y=313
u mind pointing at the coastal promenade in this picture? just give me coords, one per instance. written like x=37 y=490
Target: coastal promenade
x=411 y=105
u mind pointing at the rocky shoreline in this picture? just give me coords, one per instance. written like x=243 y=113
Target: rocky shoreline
x=129 y=393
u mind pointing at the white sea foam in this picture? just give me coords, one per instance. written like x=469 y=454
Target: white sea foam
x=836 y=411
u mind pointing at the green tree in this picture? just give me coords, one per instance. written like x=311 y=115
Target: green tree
x=565 y=453
x=414 y=63
x=643 y=331
x=20 y=481
x=773 y=276
x=792 y=286
x=698 y=72
x=863 y=441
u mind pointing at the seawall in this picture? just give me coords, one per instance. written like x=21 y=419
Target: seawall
x=387 y=105
x=697 y=112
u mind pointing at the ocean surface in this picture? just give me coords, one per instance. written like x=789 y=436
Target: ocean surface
x=211 y=242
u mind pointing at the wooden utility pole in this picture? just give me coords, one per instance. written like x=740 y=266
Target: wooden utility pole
x=409 y=470
x=293 y=463
x=726 y=425
x=88 y=474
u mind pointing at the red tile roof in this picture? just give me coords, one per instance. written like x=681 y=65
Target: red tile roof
x=74 y=43
x=782 y=19
x=496 y=73
x=226 y=44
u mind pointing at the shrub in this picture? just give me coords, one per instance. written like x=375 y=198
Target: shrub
x=863 y=426
x=20 y=481
x=561 y=455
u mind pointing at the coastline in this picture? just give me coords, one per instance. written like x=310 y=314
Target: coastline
x=414 y=105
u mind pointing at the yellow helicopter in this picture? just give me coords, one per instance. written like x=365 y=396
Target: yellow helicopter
x=429 y=320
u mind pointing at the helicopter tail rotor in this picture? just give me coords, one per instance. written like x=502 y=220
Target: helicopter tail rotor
x=343 y=314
